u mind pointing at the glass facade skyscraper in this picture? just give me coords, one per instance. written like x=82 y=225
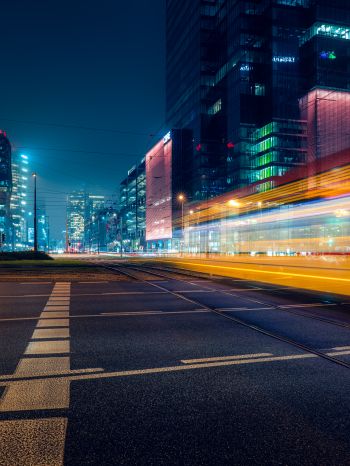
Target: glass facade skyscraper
x=241 y=75
x=20 y=175
x=5 y=187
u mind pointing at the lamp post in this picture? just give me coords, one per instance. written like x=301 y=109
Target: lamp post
x=35 y=217
x=181 y=198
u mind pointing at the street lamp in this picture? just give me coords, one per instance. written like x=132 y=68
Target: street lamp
x=181 y=198
x=35 y=217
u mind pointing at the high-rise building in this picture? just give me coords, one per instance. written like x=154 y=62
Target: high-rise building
x=76 y=221
x=5 y=189
x=132 y=206
x=19 y=236
x=233 y=79
x=195 y=52
x=94 y=222
x=325 y=65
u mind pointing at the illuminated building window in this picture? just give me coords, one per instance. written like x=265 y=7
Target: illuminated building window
x=259 y=89
x=328 y=30
x=216 y=108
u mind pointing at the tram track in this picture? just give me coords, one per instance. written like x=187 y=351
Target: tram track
x=125 y=270
x=280 y=308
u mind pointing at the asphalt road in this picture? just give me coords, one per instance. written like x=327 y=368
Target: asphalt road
x=172 y=370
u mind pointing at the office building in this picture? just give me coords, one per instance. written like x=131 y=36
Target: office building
x=19 y=201
x=5 y=190
x=132 y=205
x=233 y=78
x=325 y=65
x=76 y=221
x=95 y=224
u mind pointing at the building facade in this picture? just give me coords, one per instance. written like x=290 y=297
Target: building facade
x=5 y=190
x=19 y=202
x=235 y=74
x=132 y=205
x=76 y=221
x=95 y=227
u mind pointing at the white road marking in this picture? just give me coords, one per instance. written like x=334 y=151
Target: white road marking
x=146 y=313
x=36 y=283
x=287 y=306
x=340 y=348
x=29 y=395
x=31 y=438
x=235 y=309
x=226 y=358
x=48 y=347
x=52 y=315
x=42 y=366
x=45 y=323
x=51 y=333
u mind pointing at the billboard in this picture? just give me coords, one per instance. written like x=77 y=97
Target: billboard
x=159 y=190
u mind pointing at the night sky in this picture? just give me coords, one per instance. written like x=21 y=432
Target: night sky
x=68 y=64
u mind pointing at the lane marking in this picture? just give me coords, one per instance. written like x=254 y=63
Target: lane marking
x=36 y=283
x=29 y=395
x=39 y=442
x=158 y=370
x=48 y=347
x=225 y=358
x=51 y=315
x=50 y=333
x=42 y=366
x=85 y=375
x=34 y=439
x=287 y=306
x=340 y=348
x=56 y=308
x=146 y=313
x=53 y=323
x=235 y=309
x=126 y=293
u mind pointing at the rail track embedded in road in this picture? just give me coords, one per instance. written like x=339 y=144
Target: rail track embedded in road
x=125 y=270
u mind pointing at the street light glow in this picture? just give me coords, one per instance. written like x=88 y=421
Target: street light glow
x=234 y=203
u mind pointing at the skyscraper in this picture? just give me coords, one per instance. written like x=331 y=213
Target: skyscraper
x=5 y=187
x=234 y=79
x=325 y=65
x=76 y=220
x=195 y=50
x=19 y=236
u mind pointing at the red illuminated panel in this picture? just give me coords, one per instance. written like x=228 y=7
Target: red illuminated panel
x=158 y=192
x=327 y=113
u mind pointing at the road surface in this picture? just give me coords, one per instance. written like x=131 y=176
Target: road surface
x=161 y=368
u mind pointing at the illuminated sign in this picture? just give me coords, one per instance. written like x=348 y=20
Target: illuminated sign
x=278 y=59
x=328 y=55
x=167 y=137
x=246 y=67
x=158 y=191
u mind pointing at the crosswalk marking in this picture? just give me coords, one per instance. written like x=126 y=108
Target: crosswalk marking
x=52 y=315
x=48 y=347
x=40 y=442
x=51 y=333
x=53 y=323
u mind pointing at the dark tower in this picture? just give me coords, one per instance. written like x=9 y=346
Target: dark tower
x=5 y=185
